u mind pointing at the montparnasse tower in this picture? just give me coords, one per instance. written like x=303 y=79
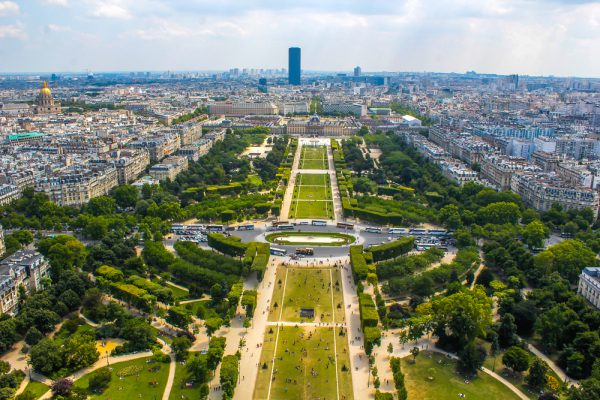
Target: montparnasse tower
x=45 y=102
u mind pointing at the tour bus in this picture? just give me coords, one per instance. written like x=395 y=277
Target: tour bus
x=416 y=231
x=427 y=246
x=249 y=227
x=317 y=222
x=373 y=230
x=177 y=227
x=278 y=252
x=345 y=225
x=397 y=231
x=305 y=251
x=214 y=228
x=193 y=227
x=285 y=227
x=277 y=223
x=438 y=232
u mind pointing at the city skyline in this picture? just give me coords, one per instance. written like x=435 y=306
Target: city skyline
x=550 y=37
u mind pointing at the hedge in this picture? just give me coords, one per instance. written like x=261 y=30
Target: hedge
x=368 y=311
x=208 y=259
x=129 y=293
x=358 y=263
x=110 y=273
x=162 y=293
x=383 y=396
x=204 y=278
x=257 y=258
x=249 y=302
x=392 y=249
x=235 y=293
x=398 y=378
x=229 y=375
x=230 y=245
x=372 y=338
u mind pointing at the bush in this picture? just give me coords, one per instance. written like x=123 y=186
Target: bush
x=99 y=381
x=230 y=245
x=229 y=374
x=398 y=378
x=358 y=263
x=372 y=338
x=392 y=249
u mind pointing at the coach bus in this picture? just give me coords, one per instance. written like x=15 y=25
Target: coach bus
x=415 y=231
x=277 y=223
x=397 y=231
x=305 y=251
x=317 y=222
x=278 y=252
x=285 y=227
x=373 y=230
x=214 y=228
x=438 y=232
x=345 y=225
x=249 y=227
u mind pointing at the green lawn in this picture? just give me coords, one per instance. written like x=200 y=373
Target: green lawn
x=146 y=383
x=313 y=158
x=36 y=388
x=447 y=383
x=312 y=197
x=307 y=288
x=179 y=390
x=178 y=293
x=305 y=365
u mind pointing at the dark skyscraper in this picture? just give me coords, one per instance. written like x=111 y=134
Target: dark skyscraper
x=294 y=66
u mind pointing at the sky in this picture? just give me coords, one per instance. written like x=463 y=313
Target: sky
x=535 y=37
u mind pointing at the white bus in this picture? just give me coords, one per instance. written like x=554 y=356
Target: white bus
x=317 y=222
x=373 y=230
x=285 y=227
x=397 y=231
x=278 y=252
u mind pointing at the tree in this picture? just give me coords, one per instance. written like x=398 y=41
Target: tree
x=180 y=346
x=537 y=374
x=516 y=359
x=101 y=205
x=507 y=331
x=535 y=233
x=390 y=348
x=62 y=387
x=461 y=317
x=471 y=358
x=126 y=196
x=99 y=381
x=33 y=336
x=414 y=352
x=217 y=293
x=179 y=316
x=499 y=213
x=46 y=357
x=568 y=258
x=212 y=324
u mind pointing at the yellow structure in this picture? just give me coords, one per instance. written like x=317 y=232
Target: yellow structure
x=45 y=102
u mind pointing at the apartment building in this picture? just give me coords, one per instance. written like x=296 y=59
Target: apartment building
x=498 y=169
x=169 y=168
x=8 y=194
x=589 y=285
x=130 y=164
x=158 y=146
x=540 y=190
x=356 y=109
x=76 y=185
x=24 y=268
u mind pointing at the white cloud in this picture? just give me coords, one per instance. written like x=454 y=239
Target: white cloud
x=8 y=7
x=57 y=28
x=12 y=31
x=62 y=3
x=109 y=9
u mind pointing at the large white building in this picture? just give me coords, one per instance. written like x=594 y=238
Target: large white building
x=589 y=285
x=241 y=109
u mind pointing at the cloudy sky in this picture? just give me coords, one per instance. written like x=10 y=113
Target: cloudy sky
x=541 y=37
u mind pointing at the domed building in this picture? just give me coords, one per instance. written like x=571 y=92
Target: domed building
x=45 y=102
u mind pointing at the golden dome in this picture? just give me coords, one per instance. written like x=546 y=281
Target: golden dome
x=45 y=91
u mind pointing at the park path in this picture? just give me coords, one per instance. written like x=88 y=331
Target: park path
x=561 y=374
x=169 y=385
x=335 y=189
x=358 y=360
x=289 y=192
x=254 y=335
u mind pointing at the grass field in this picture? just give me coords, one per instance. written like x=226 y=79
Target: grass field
x=312 y=197
x=307 y=288
x=447 y=383
x=305 y=366
x=178 y=293
x=310 y=362
x=36 y=388
x=313 y=158
x=143 y=383
x=179 y=391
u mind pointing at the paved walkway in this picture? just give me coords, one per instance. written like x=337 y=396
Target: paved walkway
x=289 y=193
x=335 y=189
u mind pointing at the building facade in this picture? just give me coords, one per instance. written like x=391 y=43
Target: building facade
x=589 y=285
